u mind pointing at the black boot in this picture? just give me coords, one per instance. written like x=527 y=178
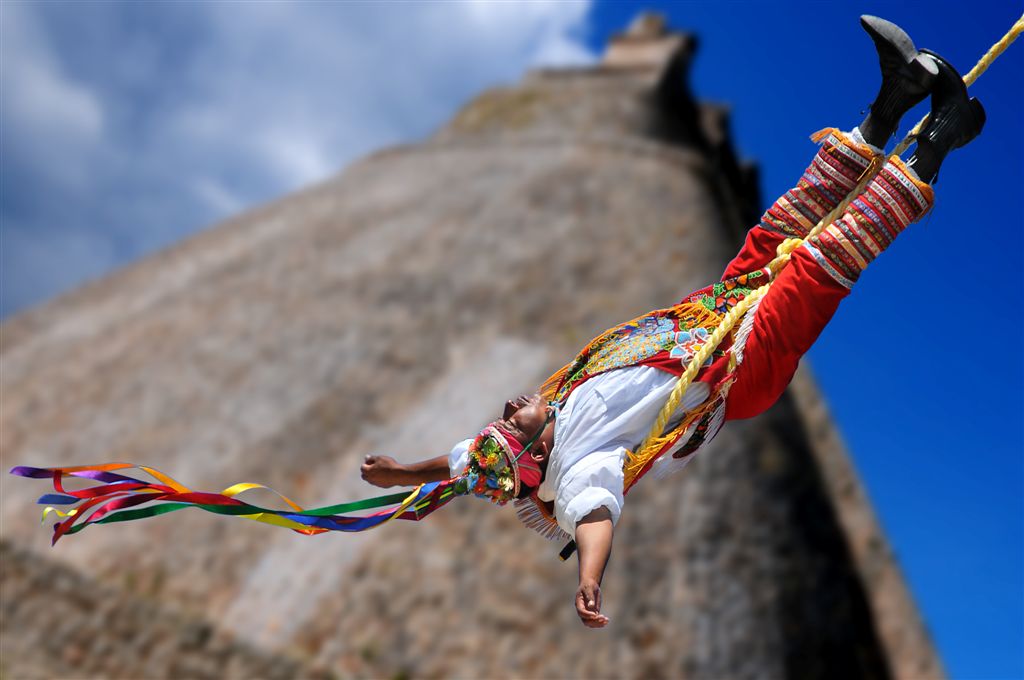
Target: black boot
x=953 y=121
x=907 y=76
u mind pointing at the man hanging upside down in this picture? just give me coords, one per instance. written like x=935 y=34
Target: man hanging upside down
x=568 y=454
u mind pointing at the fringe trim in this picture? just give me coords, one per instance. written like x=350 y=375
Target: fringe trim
x=821 y=135
x=842 y=138
x=638 y=461
x=532 y=514
x=550 y=387
x=740 y=340
x=668 y=465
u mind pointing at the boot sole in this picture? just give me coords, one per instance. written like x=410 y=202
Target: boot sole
x=881 y=30
x=919 y=68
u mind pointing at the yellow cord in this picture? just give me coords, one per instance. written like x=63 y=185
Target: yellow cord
x=783 y=254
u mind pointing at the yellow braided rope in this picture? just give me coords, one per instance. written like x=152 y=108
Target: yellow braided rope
x=784 y=251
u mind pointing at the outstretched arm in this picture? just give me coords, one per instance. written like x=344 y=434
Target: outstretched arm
x=385 y=471
x=594 y=544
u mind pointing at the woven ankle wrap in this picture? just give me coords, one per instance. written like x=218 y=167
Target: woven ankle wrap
x=839 y=163
x=874 y=219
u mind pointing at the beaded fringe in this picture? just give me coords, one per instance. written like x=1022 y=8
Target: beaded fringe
x=530 y=513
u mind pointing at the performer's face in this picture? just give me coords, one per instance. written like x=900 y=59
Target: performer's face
x=523 y=418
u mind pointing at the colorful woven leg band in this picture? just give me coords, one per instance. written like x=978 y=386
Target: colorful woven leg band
x=892 y=200
x=833 y=173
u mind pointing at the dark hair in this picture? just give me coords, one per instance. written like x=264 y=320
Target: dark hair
x=525 y=491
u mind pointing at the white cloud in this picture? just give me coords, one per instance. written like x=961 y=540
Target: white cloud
x=219 y=198
x=181 y=116
x=555 y=30
x=40 y=106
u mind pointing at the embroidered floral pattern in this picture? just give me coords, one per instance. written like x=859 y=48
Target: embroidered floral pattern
x=688 y=343
x=632 y=343
x=624 y=345
x=635 y=342
x=723 y=296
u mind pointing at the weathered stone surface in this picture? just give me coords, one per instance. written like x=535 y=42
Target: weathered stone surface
x=393 y=308
x=59 y=623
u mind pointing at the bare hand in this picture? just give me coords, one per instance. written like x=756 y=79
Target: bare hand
x=588 y=604
x=382 y=471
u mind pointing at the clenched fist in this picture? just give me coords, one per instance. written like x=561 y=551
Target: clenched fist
x=383 y=471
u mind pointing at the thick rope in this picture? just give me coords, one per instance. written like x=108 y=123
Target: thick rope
x=786 y=248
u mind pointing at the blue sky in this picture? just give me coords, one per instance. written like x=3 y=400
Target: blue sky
x=922 y=365
x=126 y=127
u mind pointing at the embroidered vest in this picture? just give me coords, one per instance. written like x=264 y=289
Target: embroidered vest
x=666 y=339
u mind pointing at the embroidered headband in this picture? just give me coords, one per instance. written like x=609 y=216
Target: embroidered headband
x=499 y=465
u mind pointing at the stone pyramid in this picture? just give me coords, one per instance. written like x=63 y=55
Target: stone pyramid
x=392 y=309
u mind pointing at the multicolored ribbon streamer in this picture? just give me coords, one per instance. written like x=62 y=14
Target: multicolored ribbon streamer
x=110 y=499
